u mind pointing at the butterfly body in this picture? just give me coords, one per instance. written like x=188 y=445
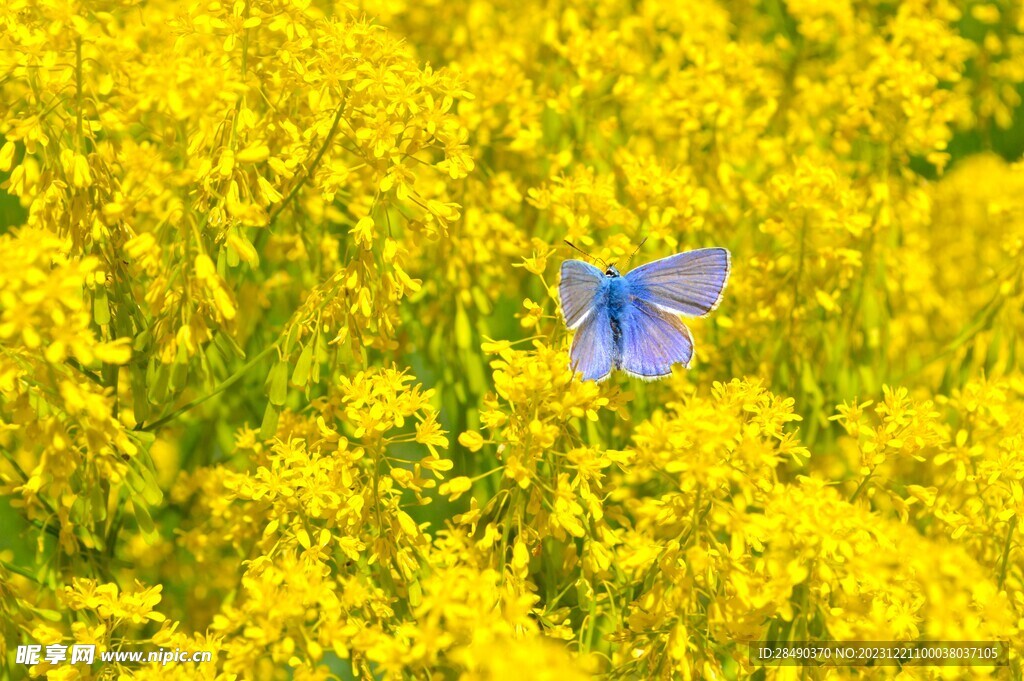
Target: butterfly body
x=615 y=294
x=630 y=322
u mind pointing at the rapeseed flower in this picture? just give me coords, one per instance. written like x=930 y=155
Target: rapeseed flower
x=283 y=375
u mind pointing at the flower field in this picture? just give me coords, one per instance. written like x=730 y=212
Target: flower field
x=284 y=376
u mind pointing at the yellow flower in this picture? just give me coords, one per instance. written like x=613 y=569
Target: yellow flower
x=259 y=258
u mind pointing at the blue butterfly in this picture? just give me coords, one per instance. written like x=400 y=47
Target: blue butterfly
x=631 y=323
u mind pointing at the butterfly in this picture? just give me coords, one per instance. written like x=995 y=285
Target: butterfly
x=631 y=322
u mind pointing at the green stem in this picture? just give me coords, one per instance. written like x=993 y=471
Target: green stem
x=376 y=494
x=78 y=92
x=312 y=167
x=72 y=362
x=19 y=571
x=860 y=487
x=799 y=273
x=695 y=521
x=982 y=320
x=245 y=46
x=1006 y=550
x=227 y=383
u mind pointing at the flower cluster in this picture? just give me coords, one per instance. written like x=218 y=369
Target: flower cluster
x=283 y=374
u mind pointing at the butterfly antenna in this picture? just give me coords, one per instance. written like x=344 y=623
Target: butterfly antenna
x=637 y=250
x=577 y=248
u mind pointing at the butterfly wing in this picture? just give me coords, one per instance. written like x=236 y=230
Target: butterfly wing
x=593 y=348
x=580 y=283
x=652 y=341
x=689 y=283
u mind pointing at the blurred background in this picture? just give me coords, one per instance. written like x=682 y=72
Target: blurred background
x=281 y=358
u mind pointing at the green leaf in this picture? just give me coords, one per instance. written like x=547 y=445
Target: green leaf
x=463 y=331
x=278 y=381
x=139 y=402
x=141 y=481
x=227 y=345
x=269 y=425
x=301 y=374
x=289 y=340
x=415 y=593
x=101 y=307
x=88 y=538
x=179 y=373
x=48 y=615
x=145 y=521
x=215 y=360
x=97 y=508
x=992 y=352
x=158 y=384
x=142 y=341
x=483 y=303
